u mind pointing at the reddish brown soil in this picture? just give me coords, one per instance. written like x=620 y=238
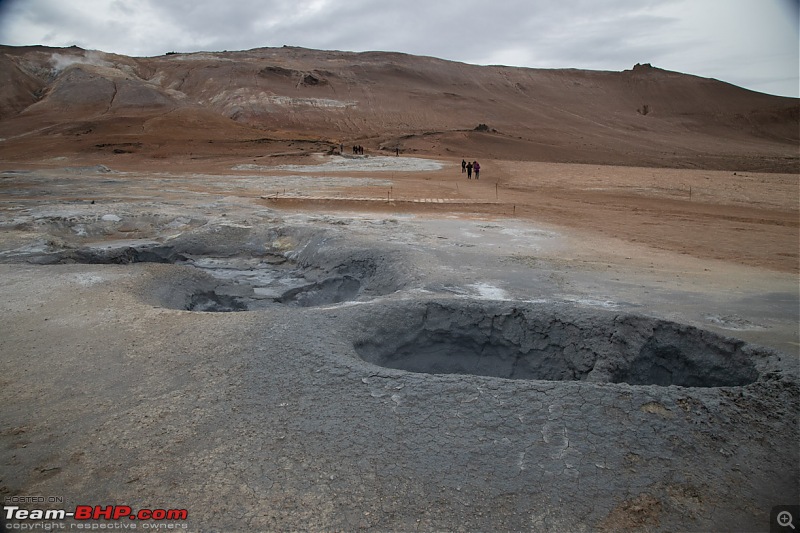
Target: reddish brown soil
x=707 y=169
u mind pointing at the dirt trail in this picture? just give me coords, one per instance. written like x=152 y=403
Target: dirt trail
x=742 y=218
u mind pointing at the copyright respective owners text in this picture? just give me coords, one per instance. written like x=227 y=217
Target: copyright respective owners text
x=52 y=513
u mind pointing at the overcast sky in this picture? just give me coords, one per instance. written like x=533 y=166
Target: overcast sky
x=750 y=43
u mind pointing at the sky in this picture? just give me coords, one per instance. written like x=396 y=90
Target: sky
x=749 y=43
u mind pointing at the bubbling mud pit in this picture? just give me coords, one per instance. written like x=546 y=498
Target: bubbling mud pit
x=231 y=283
x=224 y=268
x=237 y=267
x=554 y=343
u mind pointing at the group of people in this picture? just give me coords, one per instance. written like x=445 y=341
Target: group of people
x=469 y=168
x=358 y=149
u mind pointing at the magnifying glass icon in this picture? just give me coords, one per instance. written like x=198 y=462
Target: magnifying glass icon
x=785 y=519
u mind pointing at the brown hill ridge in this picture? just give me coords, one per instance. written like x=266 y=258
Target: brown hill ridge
x=69 y=100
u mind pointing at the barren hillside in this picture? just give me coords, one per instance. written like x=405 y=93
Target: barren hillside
x=69 y=100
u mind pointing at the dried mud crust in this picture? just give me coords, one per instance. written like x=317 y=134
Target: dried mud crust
x=557 y=343
x=509 y=453
x=274 y=413
x=270 y=420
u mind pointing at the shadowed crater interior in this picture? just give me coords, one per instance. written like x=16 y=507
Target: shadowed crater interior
x=555 y=343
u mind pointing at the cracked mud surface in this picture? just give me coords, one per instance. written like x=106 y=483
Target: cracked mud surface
x=271 y=419
x=551 y=343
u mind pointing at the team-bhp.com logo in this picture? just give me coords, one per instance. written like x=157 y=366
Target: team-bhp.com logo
x=87 y=516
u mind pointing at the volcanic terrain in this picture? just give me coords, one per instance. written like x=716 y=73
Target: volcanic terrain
x=210 y=302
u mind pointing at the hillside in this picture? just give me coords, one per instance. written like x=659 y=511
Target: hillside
x=69 y=100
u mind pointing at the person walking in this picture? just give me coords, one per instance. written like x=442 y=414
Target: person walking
x=463 y=166
x=477 y=168
x=469 y=171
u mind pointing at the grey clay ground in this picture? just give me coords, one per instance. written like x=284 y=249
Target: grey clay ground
x=270 y=419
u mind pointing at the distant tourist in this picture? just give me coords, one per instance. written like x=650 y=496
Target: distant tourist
x=397 y=152
x=463 y=166
x=477 y=168
x=469 y=171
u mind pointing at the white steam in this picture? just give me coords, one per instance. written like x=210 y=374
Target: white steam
x=89 y=57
